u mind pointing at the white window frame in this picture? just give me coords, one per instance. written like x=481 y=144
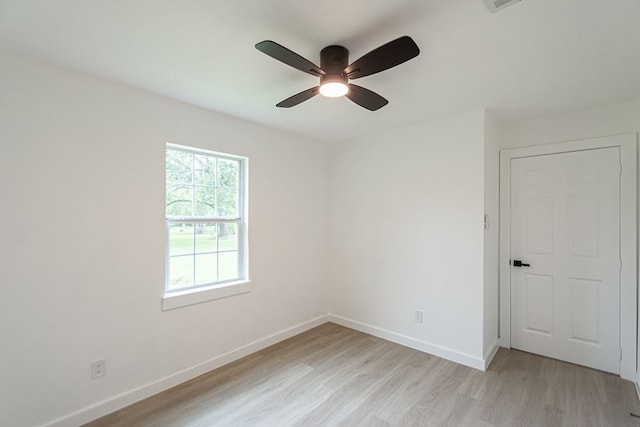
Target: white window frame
x=221 y=289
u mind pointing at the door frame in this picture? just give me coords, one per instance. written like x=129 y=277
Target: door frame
x=628 y=239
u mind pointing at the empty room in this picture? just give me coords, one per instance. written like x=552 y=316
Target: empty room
x=286 y=213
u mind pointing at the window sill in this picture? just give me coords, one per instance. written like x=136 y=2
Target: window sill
x=175 y=300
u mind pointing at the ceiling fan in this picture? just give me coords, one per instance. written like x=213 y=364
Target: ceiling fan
x=335 y=73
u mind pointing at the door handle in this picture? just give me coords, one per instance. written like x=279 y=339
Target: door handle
x=518 y=263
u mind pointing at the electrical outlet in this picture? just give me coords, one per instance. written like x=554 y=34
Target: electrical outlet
x=98 y=368
x=418 y=316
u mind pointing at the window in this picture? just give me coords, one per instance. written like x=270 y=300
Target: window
x=205 y=212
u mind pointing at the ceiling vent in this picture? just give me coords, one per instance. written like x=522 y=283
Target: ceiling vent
x=496 y=5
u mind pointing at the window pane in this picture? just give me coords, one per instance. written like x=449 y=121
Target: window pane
x=227 y=203
x=206 y=238
x=204 y=201
x=179 y=167
x=206 y=269
x=179 y=200
x=204 y=168
x=228 y=173
x=228 y=265
x=180 y=239
x=180 y=271
x=202 y=186
x=228 y=237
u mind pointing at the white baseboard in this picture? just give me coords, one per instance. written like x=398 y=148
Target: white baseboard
x=434 y=349
x=488 y=357
x=119 y=401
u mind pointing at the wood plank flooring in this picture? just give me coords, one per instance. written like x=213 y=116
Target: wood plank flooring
x=335 y=376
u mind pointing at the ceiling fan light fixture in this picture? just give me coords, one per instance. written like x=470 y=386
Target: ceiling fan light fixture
x=334 y=89
x=335 y=71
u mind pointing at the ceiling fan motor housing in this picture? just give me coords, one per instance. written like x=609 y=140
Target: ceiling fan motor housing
x=333 y=60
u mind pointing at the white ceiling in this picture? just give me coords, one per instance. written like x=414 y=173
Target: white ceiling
x=533 y=58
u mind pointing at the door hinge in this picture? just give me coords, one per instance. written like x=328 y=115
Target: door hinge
x=620 y=354
x=620 y=168
x=620 y=264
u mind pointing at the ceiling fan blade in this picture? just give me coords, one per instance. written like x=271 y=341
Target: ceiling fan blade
x=384 y=57
x=366 y=98
x=299 y=97
x=289 y=57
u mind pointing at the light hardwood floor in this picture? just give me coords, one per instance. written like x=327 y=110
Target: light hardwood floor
x=332 y=375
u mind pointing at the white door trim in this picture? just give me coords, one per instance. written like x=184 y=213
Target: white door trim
x=628 y=238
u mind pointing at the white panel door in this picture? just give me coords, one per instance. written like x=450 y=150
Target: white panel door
x=565 y=223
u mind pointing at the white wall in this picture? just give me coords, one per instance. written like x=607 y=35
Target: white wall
x=604 y=121
x=491 y=236
x=407 y=234
x=82 y=253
